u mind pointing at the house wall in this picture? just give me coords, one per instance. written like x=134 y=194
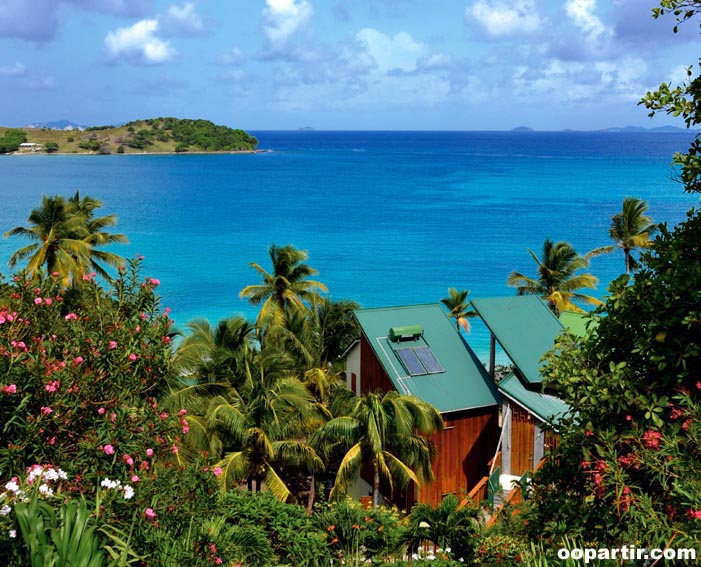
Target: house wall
x=353 y=369
x=523 y=434
x=372 y=374
x=465 y=446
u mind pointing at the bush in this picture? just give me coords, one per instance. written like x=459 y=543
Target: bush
x=51 y=147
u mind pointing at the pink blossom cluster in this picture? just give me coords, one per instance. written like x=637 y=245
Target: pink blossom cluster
x=9 y=389
x=651 y=439
x=6 y=316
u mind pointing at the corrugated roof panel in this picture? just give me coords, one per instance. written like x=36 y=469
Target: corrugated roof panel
x=548 y=408
x=525 y=328
x=464 y=382
x=578 y=323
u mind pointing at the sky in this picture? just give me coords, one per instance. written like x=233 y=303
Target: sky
x=340 y=64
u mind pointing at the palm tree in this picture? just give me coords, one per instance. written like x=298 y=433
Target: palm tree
x=557 y=281
x=383 y=431
x=458 y=308
x=447 y=526
x=259 y=432
x=96 y=235
x=632 y=229
x=58 y=241
x=217 y=354
x=65 y=236
x=287 y=287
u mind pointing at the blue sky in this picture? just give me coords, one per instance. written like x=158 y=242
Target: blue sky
x=339 y=64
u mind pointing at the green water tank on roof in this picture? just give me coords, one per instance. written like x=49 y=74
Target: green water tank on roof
x=405 y=332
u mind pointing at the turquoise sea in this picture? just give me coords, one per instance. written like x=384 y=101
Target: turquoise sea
x=388 y=218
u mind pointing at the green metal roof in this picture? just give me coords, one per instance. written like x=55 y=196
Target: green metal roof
x=525 y=328
x=544 y=406
x=577 y=323
x=463 y=382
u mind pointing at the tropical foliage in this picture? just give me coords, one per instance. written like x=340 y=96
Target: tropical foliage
x=66 y=239
x=11 y=139
x=288 y=287
x=384 y=431
x=632 y=229
x=627 y=465
x=558 y=281
x=459 y=308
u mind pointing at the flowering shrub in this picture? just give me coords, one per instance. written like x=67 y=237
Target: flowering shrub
x=627 y=467
x=82 y=375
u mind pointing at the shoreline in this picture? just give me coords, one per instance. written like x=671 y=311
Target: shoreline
x=230 y=152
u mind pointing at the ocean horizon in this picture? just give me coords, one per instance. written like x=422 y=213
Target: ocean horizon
x=387 y=217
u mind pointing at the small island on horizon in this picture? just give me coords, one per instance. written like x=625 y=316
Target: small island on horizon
x=148 y=136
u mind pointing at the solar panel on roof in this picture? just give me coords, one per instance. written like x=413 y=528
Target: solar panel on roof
x=425 y=355
x=410 y=361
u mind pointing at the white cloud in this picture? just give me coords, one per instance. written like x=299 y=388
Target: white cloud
x=282 y=18
x=235 y=57
x=17 y=69
x=581 y=12
x=389 y=53
x=184 y=20
x=139 y=43
x=499 y=18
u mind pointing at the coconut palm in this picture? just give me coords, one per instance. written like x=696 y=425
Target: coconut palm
x=287 y=287
x=65 y=235
x=632 y=229
x=217 y=354
x=558 y=282
x=96 y=235
x=459 y=308
x=384 y=432
x=58 y=241
x=259 y=431
x=447 y=525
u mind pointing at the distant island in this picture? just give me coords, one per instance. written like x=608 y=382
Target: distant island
x=153 y=135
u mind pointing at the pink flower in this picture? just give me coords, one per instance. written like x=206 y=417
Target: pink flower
x=154 y=282
x=218 y=561
x=164 y=415
x=77 y=360
x=71 y=317
x=182 y=412
x=217 y=471
x=149 y=452
x=46 y=411
x=53 y=386
x=101 y=411
x=113 y=345
x=108 y=449
x=651 y=439
x=694 y=514
x=149 y=514
x=37 y=300
x=55 y=274
x=186 y=428
x=132 y=356
x=9 y=389
x=175 y=449
x=37 y=290
x=135 y=478
x=48 y=301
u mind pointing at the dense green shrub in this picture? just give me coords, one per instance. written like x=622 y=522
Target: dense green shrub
x=11 y=140
x=627 y=467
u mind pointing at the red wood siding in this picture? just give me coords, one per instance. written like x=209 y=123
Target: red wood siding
x=372 y=374
x=464 y=446
x=522 y=439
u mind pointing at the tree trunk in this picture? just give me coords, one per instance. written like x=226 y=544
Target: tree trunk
x=312 y=494
x=627 y=254
x=376 y=488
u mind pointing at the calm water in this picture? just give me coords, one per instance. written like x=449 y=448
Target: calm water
x=388 y=218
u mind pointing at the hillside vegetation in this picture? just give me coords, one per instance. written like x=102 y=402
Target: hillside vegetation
x=154 y=135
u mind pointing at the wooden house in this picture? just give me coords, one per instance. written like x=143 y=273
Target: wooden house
x=526 y=329
x=418 y=351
